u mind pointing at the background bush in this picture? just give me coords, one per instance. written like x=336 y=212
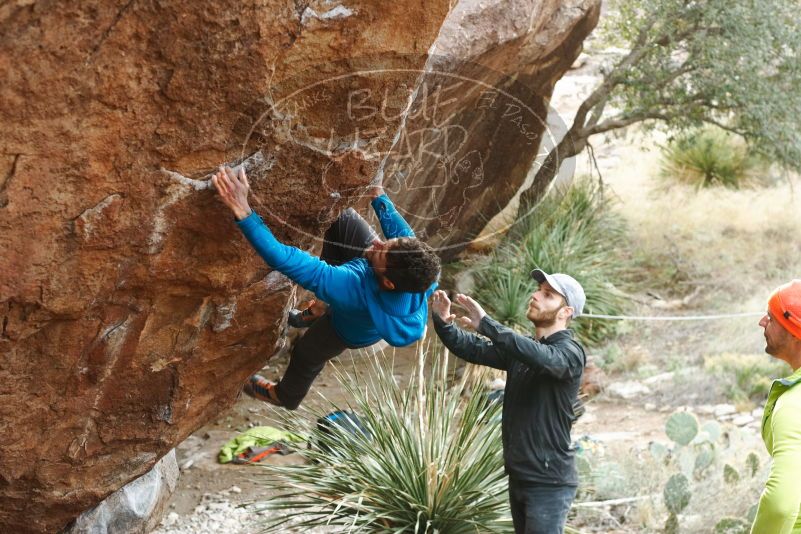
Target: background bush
x=573 y=231
x=709 y=157
x=746 y=377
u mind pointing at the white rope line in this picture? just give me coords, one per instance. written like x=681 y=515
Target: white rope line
x=671 y=317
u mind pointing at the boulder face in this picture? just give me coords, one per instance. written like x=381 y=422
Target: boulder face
x=131 y=309
x=481 y=118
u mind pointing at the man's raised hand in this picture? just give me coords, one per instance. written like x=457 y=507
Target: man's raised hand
x=441 y=305
x=233 y=188
x=474 y=311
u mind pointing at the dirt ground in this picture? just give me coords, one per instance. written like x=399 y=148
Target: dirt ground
x=204 y=480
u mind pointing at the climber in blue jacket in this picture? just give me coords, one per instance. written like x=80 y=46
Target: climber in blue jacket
x=374 y=289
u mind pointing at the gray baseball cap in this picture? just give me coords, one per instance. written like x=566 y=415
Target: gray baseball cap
x=565 y=285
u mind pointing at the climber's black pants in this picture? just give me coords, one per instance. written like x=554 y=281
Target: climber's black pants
x=345 y=240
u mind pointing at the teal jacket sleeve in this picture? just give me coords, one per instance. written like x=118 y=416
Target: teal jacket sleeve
x=779 y=504
x=392 y=223
x=333 y=284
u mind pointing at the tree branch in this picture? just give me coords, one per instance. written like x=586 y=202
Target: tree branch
x=600 y=96
x=722 y=126
x=612 y=79
x=614 y=124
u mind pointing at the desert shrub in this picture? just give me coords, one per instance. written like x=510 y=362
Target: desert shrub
x=573 y=231
x=710 y=157
x=427 y=460
x=746 y=377
x=703 y=475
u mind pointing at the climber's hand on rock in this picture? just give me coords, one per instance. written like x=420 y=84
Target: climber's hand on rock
x=376 y=191
x=233 y=188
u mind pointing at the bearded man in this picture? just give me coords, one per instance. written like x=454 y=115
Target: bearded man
x=542 y=384
x=779 y=510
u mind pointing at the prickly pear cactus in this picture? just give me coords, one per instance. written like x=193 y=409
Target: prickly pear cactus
x=609 y=481
x=752 y=461
x=732 y=525
x=681 y=427
x=751 y=515
x=659 y=451
x=730 y=474
x=704 y=460
x=712 y=430
x=677 y=493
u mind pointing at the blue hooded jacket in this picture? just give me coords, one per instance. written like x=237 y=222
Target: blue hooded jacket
x=361 y=312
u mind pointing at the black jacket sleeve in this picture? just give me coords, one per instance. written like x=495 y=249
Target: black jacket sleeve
x=468 y=347
x=561 y=361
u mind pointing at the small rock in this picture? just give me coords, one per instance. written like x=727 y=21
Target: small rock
x=758 y=413
x=187 y=464
x=743 y=419
x=236 y=489
x=627 y=390
x=650 y=406
x=724 y=409
x=706 y=409
x=661 y=378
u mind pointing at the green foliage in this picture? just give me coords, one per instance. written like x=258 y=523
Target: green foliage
x=752 y=462
x=709 y=157
x=429 y=461
x=746 y=376
x=672 y=524
x=505 y=292
x=751 y=514
x=730 y=474
x=712 y=431
x=704 y=460
x=732 y=525
x=659 y=451
x=728 y=62
x=682 y=427
x=609 y=481
x=697 y=467
x=677 y=493
x=572 y=231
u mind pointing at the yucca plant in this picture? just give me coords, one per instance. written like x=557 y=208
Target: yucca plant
x=505 y=291
x=573 y=231
x=709 y=157
x=426 y=459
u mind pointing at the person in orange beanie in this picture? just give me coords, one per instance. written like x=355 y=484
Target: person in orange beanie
x=779 y=506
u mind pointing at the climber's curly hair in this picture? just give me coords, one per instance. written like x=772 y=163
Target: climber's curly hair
x=412 y=265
